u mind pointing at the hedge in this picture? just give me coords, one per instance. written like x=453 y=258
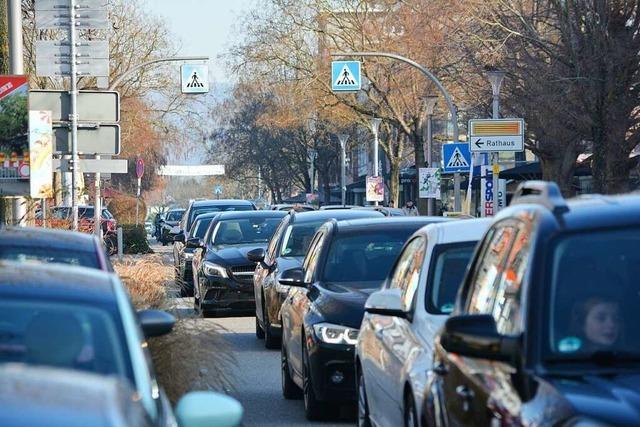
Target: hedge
x=135 y=239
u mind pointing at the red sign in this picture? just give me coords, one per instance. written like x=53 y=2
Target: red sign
x=139 y=168
x=8 y=84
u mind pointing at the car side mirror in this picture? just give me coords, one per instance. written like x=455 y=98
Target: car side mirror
x=256 y=255
x=179 y=237
x=193 y=243
x=476 y=335
x=155 y=323
x=293 y=277
x=205 y=408
x=386 y=302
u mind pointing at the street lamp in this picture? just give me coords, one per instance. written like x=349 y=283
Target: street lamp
x=343 y=167
x=495 y=78
x=430 y=105
x=375 y=125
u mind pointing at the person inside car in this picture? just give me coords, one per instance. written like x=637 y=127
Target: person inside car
x=596 y=321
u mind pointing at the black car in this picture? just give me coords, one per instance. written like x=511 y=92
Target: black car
x=183 y=254
x=223 y=275
x=47 y=245
x=345 y=263
x=167 y=223
x=544 y=331
x=286 y=250
x=199 y=207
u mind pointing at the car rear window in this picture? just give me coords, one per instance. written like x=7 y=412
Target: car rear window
x=217 y=208
x=245 y=230
x=49 y=255
x=174 y=215
x=449 y=266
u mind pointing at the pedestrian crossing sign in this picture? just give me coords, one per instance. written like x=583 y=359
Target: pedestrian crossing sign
x=195 y=78
x=456 y=158
x=345 y=76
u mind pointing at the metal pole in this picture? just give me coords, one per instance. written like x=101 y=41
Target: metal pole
x=430 y=201
x=16 y=65
x=97 y=206
x=74 y=114
x=343 y=167
x=120 y=243
x=495 y=166
x=138 y=201
x=129 y=72
x=375 y=125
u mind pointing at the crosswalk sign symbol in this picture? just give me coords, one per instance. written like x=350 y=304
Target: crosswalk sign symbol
x=195 y=78
x=456 y=158
x=345 y=76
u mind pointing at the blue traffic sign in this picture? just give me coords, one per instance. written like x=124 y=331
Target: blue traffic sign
x=345 y=76
x=217 y=189
x=195 y=78
x=456 y=158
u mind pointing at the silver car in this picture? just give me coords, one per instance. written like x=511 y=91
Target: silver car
x=395 y=345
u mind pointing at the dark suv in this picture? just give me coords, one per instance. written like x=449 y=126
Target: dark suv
x=544 y=331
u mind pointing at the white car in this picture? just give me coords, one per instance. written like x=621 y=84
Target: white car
x=394 y=352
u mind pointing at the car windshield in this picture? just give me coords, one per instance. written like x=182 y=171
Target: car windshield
x=49 y=255
x=72 y=336
x=298 y=237
x=199 y=228
x=449 y=265
x=365 y=256
x=174 y=215
x=595 y=295
x=218 y=208
x=245 y=230
x=86 y=212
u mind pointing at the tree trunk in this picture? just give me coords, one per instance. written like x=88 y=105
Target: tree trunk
x=560 y=169
x=394 y=181
x=418 y=149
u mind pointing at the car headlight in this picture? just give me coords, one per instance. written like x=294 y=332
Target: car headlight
x=336 y=334
x=214 y=270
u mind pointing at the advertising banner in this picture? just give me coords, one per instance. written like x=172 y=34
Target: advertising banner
x=41 y=154
x=375 y=189
x=429 y=183
x=486 y=193
x=14 y=136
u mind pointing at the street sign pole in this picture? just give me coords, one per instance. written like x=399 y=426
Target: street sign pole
x=375 y=126
x=74 y=113
x=138 y=200
x=343 y=167
x=97 y=207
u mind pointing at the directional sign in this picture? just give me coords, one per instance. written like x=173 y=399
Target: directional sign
x=64 y=4
x=93 y=106
x=59 y=49
x=104 y=139
x=493 y=135
x=345 y=76
x=191 y=170
x=139 y=168
x=86 y=19
x=93 y=165
x=456 y=158
x=195 y=78
x=62 y=67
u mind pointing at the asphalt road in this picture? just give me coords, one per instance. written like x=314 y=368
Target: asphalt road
x=256 y=375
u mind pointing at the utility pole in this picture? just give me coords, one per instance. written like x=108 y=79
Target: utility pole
x=495 y=78
x=375 y=126
x=16 y=67
x=73 y=115
x=430 y=105
x=343 y=167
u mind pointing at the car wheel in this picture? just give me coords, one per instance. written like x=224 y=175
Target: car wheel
x=270 y=341
x=164 y=243
x=363 y=404
x=314 y=409
x=259 y=331
x=410 y=413
x=289 y=389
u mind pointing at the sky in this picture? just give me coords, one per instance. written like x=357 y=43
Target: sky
x=204 y=27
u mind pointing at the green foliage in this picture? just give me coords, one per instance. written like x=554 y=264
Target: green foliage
x=135 y=239
x=14 y=124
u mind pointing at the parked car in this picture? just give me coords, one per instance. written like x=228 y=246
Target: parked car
x=168 y=222
x=199 y=207
x=385 y=210
x=223 y=275
x=60 y=217
x=346 y=262
x=77 y=318
x=48 y=245
x=298 y=207
x=334 y=207
x=395 y=345
x=544 y=327
x=286 y=250
x=148 y=227
x=183 y=254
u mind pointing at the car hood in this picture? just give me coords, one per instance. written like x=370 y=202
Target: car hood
x=232 y=255
x=610 y=399
x=343 y=304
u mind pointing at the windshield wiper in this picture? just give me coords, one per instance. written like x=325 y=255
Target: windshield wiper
x=600 y=357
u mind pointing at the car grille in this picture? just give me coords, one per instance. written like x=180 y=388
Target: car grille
x=243 y=273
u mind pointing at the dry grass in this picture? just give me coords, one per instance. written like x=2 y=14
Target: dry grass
x=195 y=356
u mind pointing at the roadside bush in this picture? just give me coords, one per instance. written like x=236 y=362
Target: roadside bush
x=123 y=208
x=135 y=239
x=146 y=279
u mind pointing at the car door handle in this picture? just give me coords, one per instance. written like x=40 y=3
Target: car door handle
x=466 y=395
x=440 y=369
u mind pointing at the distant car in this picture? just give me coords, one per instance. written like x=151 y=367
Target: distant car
x=385 y=210
x=334 y=207
x=81 y=319
x=298 y=207
x=55 y=246
x=395 y=345
x=346 y=262
x=286 y=250
x=544 y=328
x=223 y=275
x=170 y=220
x=60 y=217
x=148 y=227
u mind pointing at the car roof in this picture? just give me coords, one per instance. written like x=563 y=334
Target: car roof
x=174 y=210
x=56 y=281
x=250 y=214
x=47 y=237
x=463 y=230
x=386 y=223
x=216 y=202
x=338 y=214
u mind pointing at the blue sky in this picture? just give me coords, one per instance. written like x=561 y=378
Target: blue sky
x=204 y=27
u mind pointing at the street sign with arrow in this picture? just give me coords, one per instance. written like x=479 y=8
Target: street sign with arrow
x=494 y=135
